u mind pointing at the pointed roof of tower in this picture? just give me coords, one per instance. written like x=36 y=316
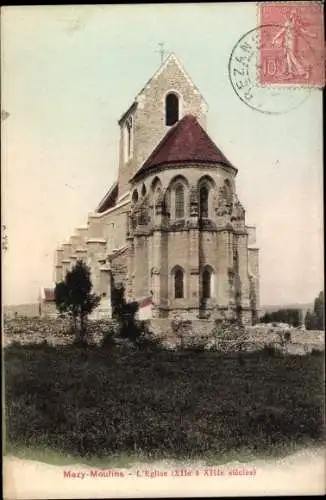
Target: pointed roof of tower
x=170 y=58
x=185 y=142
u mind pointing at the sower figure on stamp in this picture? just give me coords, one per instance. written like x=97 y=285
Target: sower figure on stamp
x=289 y=33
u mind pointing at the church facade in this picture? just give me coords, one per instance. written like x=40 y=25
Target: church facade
x=171 y=229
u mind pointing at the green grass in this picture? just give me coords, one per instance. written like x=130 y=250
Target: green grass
x=244 y=456
x=47 y=455
x=93 y=406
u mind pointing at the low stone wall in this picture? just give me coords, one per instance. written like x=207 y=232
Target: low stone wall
x=200 y=334
x=206 y=333
x=292 y=340
x=56 y=331
x=30 y=310
x=165 y=327
x=297 y=335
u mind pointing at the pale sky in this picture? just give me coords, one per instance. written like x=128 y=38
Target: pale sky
x=69 y=72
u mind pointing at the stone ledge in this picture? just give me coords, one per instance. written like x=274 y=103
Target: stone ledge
x=96 y=240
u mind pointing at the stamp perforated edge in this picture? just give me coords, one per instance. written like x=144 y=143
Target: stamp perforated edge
x=290 y=86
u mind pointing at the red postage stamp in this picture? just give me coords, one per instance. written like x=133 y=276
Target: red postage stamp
x=292 y=50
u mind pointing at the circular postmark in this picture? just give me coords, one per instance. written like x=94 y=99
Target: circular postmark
x=246 y=67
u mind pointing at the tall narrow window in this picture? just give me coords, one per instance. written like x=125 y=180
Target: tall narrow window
x=178 y=284
x=134 y=197
x=203 y=202
x=179 y=202
x=171 y=109
x=206 y=284
x=156 y=197
x=128 y=139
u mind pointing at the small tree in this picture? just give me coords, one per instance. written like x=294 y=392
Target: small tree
x=310 y=320
x=124 y=312
x=319 y=305
x=315 y=320
x=73 y=296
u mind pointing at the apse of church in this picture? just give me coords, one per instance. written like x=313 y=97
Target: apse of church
x=171 y=228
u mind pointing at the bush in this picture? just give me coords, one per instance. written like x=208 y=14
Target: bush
x=108 y=339
x=289 y=316
x=80 y=343
x=317 y=352
x=149 y=343
x=125 y=313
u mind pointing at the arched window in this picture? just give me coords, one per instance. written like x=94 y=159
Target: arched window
x=179 y=202
x=179 y=284
x=207 y=284
x=143 y=190
x=156 y=183
x=156 y=197
x=171 y=109
x=203 y=202
x=157 y=193
x=134 y=196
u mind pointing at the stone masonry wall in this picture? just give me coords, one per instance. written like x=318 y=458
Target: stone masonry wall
x=57 y=331
x=175 y=248
x=119 y=267
x=149 y=116
x=258 y=337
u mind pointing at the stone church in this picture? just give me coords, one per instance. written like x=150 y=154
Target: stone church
x=171 y=228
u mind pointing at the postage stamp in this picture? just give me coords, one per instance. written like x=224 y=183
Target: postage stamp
x=292 y=49
x=244 y=71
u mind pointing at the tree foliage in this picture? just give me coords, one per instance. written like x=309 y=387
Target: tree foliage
x=314 y=320
x=124 y=312
x=73 y=296
x=289 y=316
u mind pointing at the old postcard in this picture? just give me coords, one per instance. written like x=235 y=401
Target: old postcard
x=162 y=242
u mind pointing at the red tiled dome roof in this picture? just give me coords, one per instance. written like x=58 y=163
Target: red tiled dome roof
x=185 y=142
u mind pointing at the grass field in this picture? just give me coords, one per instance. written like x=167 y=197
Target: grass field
x=96 y=404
